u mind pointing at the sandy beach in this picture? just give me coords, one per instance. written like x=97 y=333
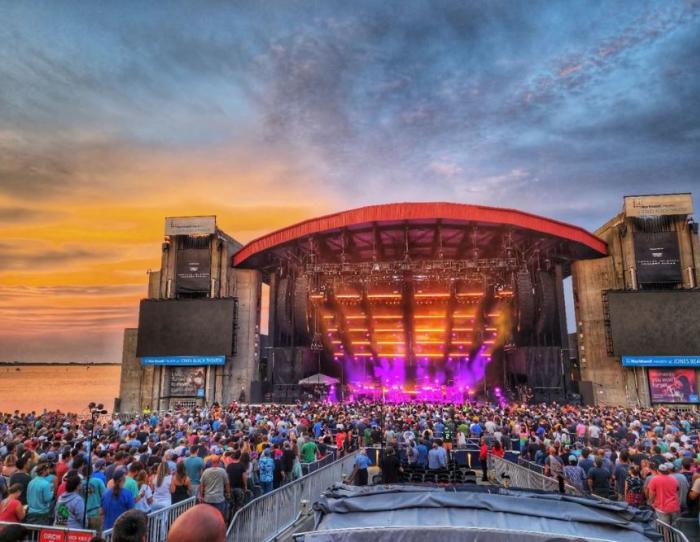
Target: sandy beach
x=66 y=387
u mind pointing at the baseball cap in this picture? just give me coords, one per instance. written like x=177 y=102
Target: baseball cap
x=663 y=467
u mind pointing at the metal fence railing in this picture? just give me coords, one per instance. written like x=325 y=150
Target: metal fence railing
x=530 y=465
x=508 y=474
x=269 y=515
x=307 y=468
x=670 y=534
x=37 y=533
x=159 y=522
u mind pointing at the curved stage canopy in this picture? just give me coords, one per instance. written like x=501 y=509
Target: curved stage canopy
x=416 y=299
x=386 y=229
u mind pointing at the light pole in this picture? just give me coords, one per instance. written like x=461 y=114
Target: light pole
x=95 y=411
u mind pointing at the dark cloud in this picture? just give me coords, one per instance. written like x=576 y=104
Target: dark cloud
x=22 y=255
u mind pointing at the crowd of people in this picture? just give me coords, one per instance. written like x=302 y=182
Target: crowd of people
x=58 y=470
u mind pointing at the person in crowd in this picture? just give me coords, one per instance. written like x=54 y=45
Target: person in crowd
x=144 y=498
x=70 y=507
x=266 y=470
x=437 y=456
x=199 y=523
x=21 y=477
x=162 y=497
x=554 y=467
x=116 y=500
x=663 y=495
x=360 y=472
x=634 y=487
x=11 y=508
x=94 y=489
x=391 y=467
x=194 y=465
x=131 y=526
x=574 y=474
x=9 y=466
x=599 y=479
x=214 y=488
x=237 y=472
x=483 y=459
x=40 y=493
x=180 y=486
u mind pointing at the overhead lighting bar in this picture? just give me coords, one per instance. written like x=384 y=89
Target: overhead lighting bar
x=440 y=294
x=383 y=296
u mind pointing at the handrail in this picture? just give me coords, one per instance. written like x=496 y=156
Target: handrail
x=269 y=515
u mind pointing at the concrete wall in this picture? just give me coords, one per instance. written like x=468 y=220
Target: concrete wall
x=240 y=371
x=612 y=383
x=136 y=381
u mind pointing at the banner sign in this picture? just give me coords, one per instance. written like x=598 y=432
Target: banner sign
x=187 y=381
x=57 y=535
x=659 y=205
x=193 y=270
x=673 y=386
x=190 y=225
x=661 y=361
x=658 y=257
x=183 y=360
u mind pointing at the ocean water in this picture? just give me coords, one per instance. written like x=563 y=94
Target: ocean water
x=57 y=387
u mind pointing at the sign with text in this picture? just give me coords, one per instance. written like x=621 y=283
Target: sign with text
x=193 y=270
x=658 y=257
x=661 y=361
x=659 y=205
x=187 y=381
x=183 y=360
x=190 y=225
x=673 y=386
x=57 y=535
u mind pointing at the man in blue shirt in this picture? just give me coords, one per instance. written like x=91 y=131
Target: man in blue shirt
x=194 y=465
x=360 y=473
x=437 y=457
x=422 y=460
x=40 y=497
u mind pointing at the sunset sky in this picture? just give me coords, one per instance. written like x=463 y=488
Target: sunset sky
x=116 y=114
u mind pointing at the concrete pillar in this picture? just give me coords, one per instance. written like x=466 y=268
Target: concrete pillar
x=243 y=367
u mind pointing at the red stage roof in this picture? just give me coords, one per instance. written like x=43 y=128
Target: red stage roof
x=420 y=213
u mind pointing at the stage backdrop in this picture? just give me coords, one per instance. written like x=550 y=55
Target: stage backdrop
x=673 y=386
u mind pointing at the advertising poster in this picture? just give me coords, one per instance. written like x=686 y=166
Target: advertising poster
x=193 y=270
x=658 y=257
x=187 y=381
x=673 y=386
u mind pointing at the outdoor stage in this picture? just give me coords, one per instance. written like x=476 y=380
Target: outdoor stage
x=418 y=301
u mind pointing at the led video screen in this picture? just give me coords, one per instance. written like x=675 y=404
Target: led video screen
x=673 y=386
x=186 y=327
x=655 y=323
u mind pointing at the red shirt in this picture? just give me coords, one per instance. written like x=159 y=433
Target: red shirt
x=9 y=513
x=665 y=488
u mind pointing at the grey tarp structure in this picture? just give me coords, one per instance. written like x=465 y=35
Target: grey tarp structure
x=416 y=514
x=319 y=379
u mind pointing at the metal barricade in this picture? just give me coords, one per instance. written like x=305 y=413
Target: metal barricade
x=508 y=474
x=60 y=534
x=308 y=468
x=530 y=465
x=267 y=516
x=159 y=522
x=670 y=534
